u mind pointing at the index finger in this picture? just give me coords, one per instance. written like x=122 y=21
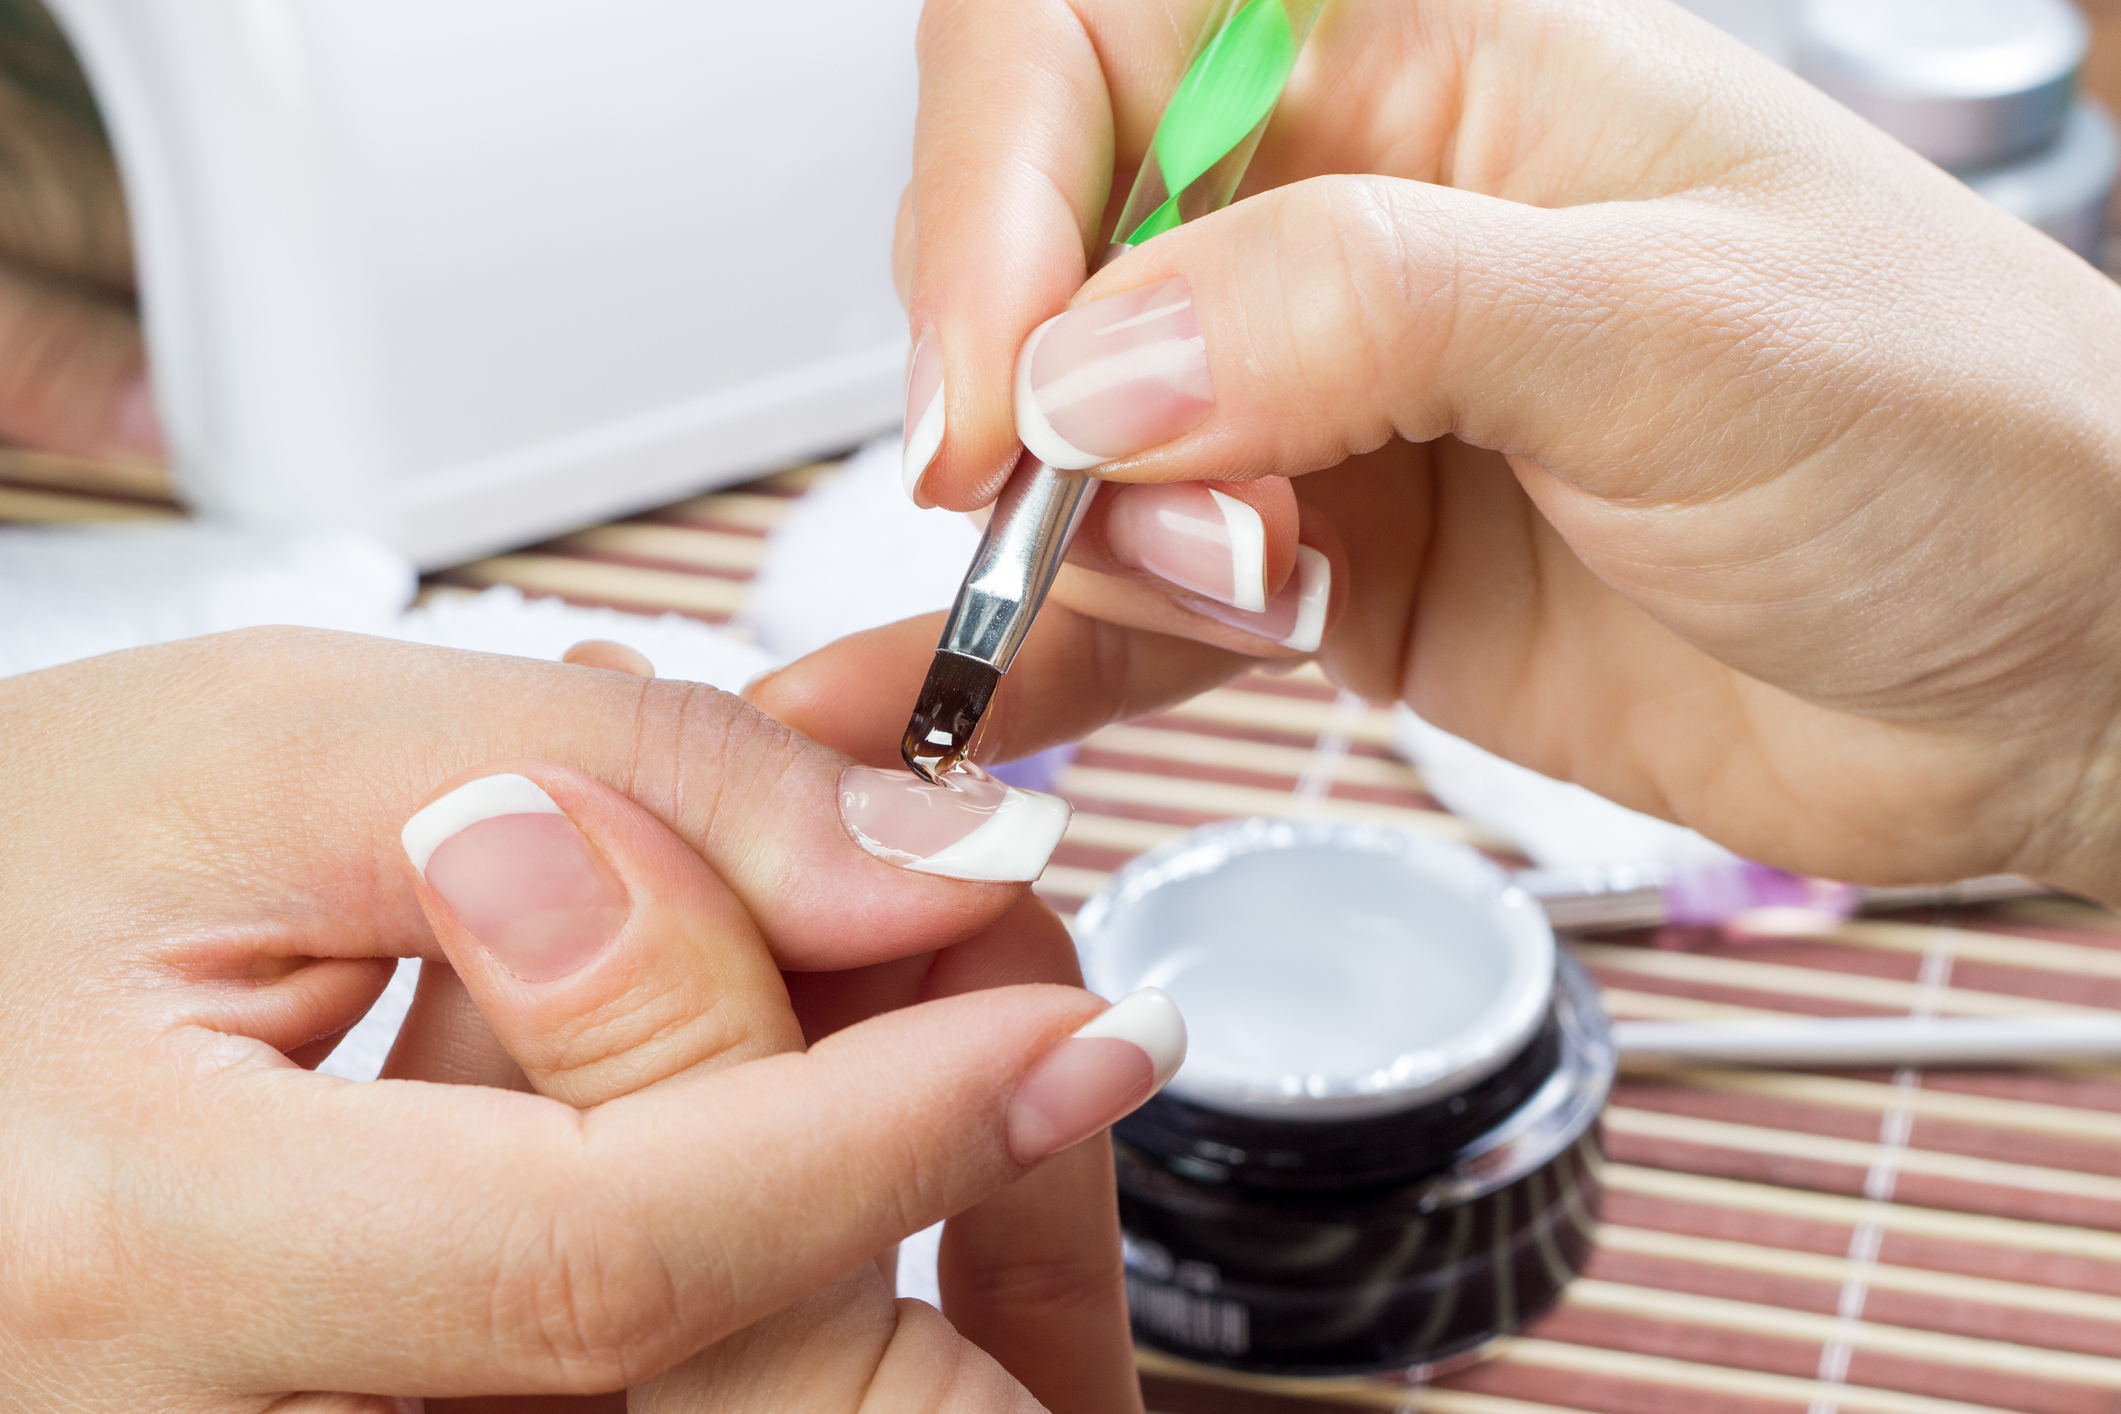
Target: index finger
x=367 y=727
x=1074 y=675
x=1022 y=110
x=463 y=1240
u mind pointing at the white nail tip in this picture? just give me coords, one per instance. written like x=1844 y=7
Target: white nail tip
x=483 y=799
x=923 y=440
x=1010 y=846
x=1151 y=1020
x=1248 y=552
x=1314 y=593
x=1032 y=427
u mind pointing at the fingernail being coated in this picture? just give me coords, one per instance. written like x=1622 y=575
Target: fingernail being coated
x=1098 y=1076
x=1195 y=537
x=924 y=410
x=1295 y=617
x=970 y=827
x=518 y=875
x=1114 y=377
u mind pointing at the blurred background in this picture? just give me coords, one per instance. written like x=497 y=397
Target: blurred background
x=533 y=270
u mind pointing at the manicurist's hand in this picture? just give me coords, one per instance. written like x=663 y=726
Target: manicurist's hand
x=214 y=850
x=1648 y=419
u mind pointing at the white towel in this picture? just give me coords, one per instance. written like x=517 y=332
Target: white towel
x=855 y=554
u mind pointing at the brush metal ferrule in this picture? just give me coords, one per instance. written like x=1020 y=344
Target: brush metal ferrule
x=1027 y=538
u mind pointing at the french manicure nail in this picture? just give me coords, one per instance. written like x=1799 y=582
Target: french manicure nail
x=1195 y=537
x=1294 y=618
x=970 y=827
x=518 y=875
x=924 y=410
x=1099 y=1075
x=1113 y=378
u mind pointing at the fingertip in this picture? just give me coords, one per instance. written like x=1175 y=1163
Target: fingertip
x=1231 y=541
x=1297 y=619
x=604 y=953
x=756 y=686
x=609 y=656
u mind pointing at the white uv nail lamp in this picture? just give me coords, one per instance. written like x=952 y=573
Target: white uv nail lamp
x=464 y=273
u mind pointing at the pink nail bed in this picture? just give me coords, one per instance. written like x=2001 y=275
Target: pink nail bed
x=518 y=875
x=1195 y=537
x=1114 y=377
x=970 y=827
x=1295 y=617
x=1099 y=1075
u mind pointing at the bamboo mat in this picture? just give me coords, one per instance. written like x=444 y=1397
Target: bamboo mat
x=1920 y=1243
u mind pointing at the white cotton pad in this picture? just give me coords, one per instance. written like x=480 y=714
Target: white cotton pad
x=501 y=620
x=72 y=593
x=855 y=554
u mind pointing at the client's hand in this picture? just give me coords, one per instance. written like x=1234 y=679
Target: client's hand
x=72 y=370
x=205 y=882
x=1665 y=428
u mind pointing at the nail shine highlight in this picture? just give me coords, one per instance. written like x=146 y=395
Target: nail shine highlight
x=1195 y=537
x=1114 y=377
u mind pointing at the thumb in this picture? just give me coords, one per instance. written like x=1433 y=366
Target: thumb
x=1318 y=320
x=603 y=952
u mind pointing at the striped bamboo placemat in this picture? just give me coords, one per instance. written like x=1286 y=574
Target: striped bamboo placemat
x=1912 y=1243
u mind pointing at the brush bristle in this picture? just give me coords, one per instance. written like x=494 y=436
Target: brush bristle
x=946 y=718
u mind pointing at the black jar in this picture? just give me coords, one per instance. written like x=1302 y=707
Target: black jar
x=1382 y=1151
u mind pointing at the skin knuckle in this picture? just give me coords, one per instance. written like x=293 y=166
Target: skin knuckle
x=639 y=1038
x=723 y=757
x=927 y=1365
x=1071 y=1282
x=1349 y=300
x=583 y=1294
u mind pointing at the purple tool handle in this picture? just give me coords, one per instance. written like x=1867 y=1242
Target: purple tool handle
x=1703 y=895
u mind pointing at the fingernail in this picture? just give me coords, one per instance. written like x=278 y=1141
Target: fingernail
x=924 y=410
x=610 y=656
x=970 y=827
x=1194 y=536
x=1099 y=1075
x=755 y=682
x=134 y=422
x=1294 y=618
x=518 y=875
x=1112 y=378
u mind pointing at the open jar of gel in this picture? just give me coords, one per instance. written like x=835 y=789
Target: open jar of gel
x=1381 y=1151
